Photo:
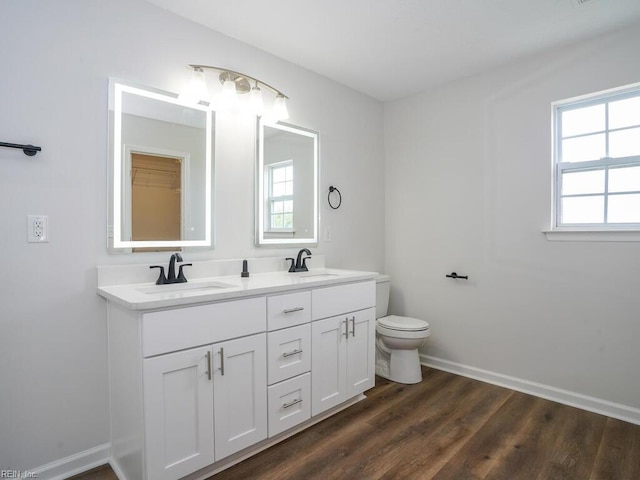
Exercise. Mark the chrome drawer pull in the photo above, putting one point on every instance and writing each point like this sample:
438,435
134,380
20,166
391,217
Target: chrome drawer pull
221,361
209,365
346,328
296,309
292,352
292,403
353,323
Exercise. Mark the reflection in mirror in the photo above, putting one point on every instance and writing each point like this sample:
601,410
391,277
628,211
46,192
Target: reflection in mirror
160,170
156,196
287,185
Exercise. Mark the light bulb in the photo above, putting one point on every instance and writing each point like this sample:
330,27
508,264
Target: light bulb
197,89
228,98
280,111
255,101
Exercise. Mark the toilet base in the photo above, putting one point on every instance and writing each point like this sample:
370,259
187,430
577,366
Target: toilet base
400,366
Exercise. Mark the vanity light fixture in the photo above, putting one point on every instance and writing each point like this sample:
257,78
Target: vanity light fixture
234,85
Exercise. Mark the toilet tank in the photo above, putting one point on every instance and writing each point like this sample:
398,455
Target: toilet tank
383,288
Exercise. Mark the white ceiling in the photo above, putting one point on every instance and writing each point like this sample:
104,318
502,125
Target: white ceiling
390,49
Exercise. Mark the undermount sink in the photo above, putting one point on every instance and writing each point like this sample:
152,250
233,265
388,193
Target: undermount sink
318,276
181,287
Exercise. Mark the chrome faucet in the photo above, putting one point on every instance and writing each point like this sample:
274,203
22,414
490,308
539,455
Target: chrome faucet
300,264
171,276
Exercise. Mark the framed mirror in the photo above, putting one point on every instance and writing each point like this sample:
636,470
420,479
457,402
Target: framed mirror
286,185
160,170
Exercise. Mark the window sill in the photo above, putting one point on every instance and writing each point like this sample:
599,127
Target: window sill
592,235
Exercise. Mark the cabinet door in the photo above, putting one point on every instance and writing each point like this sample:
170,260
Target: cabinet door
361,352
328,363
178,413
240,393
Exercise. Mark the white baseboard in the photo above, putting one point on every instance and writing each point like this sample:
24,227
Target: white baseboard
117,470
578,400
73,464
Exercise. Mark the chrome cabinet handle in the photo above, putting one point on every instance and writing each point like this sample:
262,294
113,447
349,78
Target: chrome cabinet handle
346,328
209,365
292,403
295,309
353,325
292,352
221,360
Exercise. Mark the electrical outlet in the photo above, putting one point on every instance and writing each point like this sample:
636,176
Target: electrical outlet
37,228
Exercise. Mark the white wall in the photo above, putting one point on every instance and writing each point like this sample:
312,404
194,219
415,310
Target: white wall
57,57
468,172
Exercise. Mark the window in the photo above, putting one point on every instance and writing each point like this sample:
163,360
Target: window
597,162
280,192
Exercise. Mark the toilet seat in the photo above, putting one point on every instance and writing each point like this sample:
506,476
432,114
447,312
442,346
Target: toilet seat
403,324
402,327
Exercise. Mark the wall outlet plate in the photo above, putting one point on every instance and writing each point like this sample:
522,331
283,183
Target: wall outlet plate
37,228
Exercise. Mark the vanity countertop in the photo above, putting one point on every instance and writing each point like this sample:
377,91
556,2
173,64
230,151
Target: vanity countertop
148,296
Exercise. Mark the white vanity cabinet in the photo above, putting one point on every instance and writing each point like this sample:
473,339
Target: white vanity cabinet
178,407
343,345
203,404
199,387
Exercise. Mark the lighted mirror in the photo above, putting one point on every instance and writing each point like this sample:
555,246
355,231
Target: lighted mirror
160,170
287,185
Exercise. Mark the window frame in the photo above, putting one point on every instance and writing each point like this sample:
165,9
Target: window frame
603,231
271,198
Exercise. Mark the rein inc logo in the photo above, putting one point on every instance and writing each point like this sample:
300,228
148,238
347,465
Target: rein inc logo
17,474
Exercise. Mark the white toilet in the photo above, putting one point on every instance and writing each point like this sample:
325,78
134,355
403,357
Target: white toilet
397,339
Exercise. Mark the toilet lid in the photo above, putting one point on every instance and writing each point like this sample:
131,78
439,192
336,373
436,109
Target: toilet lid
395,322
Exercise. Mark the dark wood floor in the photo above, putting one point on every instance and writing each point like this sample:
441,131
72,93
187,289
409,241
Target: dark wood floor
448,428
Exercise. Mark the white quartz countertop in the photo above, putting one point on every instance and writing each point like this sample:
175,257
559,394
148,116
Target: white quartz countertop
148,296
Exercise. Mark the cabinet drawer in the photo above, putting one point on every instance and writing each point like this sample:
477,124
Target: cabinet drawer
288,353
288,310
331,301
289,403
180,328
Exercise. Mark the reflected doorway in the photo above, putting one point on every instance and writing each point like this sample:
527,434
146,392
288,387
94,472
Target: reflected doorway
155,187
156,203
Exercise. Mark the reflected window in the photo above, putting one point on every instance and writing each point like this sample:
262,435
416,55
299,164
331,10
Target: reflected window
280,191
597,153
286,185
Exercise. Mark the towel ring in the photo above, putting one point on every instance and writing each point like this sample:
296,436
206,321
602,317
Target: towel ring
331,190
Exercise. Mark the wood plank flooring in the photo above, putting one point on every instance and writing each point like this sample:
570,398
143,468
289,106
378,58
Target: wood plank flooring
448,428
